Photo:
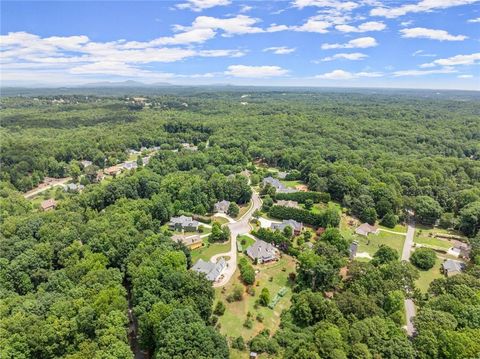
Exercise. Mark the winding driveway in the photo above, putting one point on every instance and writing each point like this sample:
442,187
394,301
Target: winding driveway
242,226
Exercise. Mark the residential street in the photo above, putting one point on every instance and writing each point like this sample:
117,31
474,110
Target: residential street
242,226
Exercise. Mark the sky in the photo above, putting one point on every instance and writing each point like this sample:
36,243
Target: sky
327,43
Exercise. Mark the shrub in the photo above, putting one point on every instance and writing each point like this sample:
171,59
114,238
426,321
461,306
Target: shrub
247,273
238,343
219,308
248,323
264,298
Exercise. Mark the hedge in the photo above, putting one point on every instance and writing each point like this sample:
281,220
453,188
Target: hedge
326,218
301,197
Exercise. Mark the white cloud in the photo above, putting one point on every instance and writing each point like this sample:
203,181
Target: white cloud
465,76
337,4
345,75
365,27
422,6
406,23
187,37
422,53
446,70
222,53
474,20
240,24
361,42
245,8
255,71
457,60
279,50
199,5
354,56
313,25
421,32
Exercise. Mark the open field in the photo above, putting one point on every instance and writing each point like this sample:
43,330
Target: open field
291,184
236,312
398,228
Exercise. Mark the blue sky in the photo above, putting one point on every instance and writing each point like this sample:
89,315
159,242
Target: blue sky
359,43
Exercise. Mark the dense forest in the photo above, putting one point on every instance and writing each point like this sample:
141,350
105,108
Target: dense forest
70,277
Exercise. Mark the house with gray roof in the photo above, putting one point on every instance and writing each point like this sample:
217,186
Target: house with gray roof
183,223
262,252
212,271
452,267
129,165
365,229
279,186
296,226
222,206
73,187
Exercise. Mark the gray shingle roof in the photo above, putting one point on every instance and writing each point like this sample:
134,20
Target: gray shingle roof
262,251
211,270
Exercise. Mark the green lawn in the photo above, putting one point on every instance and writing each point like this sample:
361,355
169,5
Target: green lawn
243,209
236,312
426,277
433,242
220,220
248,241
209,249
291,184
398,228
371,243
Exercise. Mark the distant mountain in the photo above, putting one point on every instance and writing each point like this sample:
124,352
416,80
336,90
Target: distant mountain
127,83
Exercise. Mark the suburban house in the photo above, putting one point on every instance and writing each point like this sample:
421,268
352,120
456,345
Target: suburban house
222,206
365,229
192,242
460,251
296,226
262,252
113,171
279,186
129,165
85,163
73,187
352,251
183,223
48,204
291,204
212,271
189,147
452,267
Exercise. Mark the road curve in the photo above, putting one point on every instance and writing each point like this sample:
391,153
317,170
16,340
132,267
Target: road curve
242,226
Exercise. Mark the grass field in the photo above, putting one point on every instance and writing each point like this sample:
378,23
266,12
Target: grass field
248,241
220,220
398,228
236,312
433,242
291,184
426,277
371,243
209,250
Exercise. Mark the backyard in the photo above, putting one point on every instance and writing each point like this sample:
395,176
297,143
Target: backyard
209,249
426,277
231,323
371,243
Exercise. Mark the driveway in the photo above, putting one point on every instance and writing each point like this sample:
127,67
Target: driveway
409,305
42,187
242,226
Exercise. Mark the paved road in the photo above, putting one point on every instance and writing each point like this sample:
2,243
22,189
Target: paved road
45,186
409,305
242,226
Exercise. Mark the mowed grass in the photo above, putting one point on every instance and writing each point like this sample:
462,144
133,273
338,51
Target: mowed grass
243,209
209,249
433,242
398,228
231,323
291,184
427,277
248,241
371,243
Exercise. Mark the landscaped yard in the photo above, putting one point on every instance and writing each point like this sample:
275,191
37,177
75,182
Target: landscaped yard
236,312
291,184
248,241
209,249
371,243
432,242
426,277
398,228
